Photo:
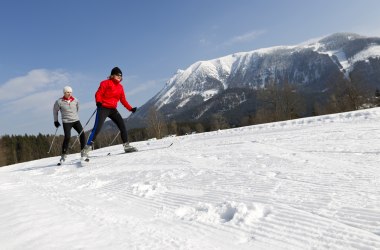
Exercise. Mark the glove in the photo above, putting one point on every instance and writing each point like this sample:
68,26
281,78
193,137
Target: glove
99,104
57,124
133,110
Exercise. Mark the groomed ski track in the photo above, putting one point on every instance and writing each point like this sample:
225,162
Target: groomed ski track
310,183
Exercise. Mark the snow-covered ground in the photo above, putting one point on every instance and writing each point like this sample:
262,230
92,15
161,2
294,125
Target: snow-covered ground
303,184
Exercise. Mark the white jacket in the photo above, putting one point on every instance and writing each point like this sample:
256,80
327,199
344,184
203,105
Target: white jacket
69,110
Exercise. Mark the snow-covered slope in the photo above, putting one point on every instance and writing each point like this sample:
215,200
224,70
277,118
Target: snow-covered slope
302,184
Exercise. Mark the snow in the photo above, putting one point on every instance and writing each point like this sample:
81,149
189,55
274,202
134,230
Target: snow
274,49
189,83
310,183
209,93
183,103
371,51
348,63
342,58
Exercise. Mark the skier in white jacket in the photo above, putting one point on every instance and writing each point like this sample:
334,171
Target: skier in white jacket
69,107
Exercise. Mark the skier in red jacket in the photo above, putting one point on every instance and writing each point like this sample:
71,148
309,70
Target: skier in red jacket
109,93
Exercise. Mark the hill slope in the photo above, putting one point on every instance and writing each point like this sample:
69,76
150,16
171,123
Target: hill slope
303,184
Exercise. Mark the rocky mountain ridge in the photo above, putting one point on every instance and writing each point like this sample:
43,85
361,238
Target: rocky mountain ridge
312,66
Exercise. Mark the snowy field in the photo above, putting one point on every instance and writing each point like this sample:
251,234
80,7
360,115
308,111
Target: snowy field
310,183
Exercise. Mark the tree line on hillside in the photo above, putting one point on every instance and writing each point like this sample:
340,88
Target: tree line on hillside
276,103
289,101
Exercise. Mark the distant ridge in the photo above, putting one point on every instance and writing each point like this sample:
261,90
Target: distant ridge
313,66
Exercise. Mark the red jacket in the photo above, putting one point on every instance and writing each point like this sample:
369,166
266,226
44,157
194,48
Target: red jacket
110,92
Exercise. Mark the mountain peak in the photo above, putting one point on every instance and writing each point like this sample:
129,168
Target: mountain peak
255,68
338,40
314,66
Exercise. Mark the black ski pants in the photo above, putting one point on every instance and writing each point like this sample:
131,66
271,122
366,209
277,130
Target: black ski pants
67,130
101,115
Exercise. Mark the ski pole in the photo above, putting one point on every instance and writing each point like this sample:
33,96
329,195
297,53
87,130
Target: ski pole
83,129
114,138
51,145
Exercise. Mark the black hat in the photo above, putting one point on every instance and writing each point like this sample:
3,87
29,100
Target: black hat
116,71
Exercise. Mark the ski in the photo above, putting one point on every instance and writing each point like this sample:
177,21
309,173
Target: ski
130,150
143,150
135,151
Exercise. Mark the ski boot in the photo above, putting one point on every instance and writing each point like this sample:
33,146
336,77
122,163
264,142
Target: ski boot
128,148
85,151
63,159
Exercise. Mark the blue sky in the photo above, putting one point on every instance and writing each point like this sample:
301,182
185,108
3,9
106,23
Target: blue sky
47,44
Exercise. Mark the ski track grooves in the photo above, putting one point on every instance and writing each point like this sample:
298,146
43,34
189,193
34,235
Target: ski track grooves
345,226
73,202
301,200
283,216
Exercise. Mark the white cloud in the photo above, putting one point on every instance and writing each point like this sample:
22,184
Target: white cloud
250,36
33,104
26,102
32,113
35,80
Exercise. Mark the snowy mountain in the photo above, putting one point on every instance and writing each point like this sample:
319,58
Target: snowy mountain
311,183
313,66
